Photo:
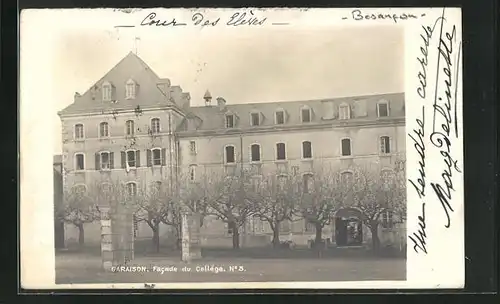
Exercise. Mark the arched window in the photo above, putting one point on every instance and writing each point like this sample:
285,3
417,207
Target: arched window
280,151
306,150
383,109
347,178
307,182
104,160
79,189
344,111
107,91
156,157
229,155
255,152
385,145
79,161
131,189
346,147
130,128
79,134
305,114
155,125
130,87
103,129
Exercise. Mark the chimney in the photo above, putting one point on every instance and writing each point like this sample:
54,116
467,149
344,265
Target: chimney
77,95
208,98
221,102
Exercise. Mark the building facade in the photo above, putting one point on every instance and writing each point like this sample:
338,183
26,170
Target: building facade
135,128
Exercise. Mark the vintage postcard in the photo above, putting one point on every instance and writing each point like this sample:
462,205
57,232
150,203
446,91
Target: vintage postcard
241,148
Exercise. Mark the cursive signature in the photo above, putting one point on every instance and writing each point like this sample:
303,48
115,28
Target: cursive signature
151,20
442,107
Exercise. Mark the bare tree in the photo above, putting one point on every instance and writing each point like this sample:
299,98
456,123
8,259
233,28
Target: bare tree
78,208
375,192
226,199
273,198
322,193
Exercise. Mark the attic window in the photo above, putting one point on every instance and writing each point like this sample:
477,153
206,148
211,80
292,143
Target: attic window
107,91
344,111
130,89
306,114
255,119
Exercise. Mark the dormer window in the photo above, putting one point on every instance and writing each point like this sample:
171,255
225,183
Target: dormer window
229,121
130,89
279,116
344,111
255,119
107,91
305,114
383,109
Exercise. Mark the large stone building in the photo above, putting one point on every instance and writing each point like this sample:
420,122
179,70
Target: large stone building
134,127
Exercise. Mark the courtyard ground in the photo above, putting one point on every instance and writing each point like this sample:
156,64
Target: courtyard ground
255,265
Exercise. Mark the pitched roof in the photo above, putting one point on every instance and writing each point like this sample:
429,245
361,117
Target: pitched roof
212,117
151,90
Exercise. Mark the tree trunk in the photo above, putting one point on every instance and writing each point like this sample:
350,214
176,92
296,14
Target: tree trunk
236,237
81,235
319,234
375,238
276,234
156,237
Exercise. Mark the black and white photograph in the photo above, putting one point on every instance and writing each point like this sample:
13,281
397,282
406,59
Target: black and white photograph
243,147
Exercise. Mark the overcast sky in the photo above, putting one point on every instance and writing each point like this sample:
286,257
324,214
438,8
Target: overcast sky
247,65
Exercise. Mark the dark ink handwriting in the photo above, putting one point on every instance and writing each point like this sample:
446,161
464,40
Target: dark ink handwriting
153,21
358,15
238,19
420,148
198,19
419,239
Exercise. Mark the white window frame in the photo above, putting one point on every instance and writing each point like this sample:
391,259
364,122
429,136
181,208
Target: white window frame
127,188
225,155
107,129
260,154
348,113
381,149
302,150
153,159
276,151
276,116
76,161
350,147
103,187
342,174
388,221
135,158
83,131
107,91
193,150
130,89
378,108
251,118
101,162
151,125
225,121
302,108
127,128
311,176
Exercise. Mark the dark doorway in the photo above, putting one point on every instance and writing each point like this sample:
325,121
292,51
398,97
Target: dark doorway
348,231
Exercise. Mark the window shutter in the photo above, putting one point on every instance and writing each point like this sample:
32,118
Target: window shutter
163,156
124,159
148,156
111,160
137,158
97,161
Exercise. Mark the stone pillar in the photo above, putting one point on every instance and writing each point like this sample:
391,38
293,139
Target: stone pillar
106,239
191,245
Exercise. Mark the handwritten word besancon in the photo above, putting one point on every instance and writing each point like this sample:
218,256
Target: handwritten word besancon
358,15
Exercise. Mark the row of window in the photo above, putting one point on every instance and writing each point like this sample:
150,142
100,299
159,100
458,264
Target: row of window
255,150
79,132
305,115
104,160
108,90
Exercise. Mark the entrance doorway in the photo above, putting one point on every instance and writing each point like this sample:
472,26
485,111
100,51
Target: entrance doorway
348,228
